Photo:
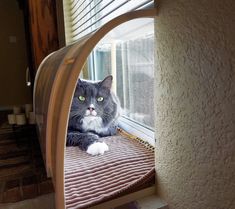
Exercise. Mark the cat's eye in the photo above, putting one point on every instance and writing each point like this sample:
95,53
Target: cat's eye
100,99
81,98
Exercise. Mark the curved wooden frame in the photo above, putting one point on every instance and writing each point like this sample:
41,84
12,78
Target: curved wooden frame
53,96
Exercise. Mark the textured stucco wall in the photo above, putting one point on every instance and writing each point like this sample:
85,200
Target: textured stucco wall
195,103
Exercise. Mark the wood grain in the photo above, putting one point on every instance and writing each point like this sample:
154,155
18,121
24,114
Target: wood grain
43,28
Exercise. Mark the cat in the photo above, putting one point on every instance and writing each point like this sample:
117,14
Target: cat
94,114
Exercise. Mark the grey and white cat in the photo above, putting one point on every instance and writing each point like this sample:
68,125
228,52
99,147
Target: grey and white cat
94,113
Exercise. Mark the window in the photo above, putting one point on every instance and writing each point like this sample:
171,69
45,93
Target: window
83,17
127,52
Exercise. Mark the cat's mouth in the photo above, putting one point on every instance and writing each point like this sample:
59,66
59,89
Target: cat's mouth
90,116
89,113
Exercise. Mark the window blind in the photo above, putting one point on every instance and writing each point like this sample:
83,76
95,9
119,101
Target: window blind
85,16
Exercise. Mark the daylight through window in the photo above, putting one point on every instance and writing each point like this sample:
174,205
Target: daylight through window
127,53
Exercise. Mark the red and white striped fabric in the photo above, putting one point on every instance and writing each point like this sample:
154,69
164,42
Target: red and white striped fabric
128,166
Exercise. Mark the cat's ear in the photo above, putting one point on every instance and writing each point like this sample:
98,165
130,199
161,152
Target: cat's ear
107,82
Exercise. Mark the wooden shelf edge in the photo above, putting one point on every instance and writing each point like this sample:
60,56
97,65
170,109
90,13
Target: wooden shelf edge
145,198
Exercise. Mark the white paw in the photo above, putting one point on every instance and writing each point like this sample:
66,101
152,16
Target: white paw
98,148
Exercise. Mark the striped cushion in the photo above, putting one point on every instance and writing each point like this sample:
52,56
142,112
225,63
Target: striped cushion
127,166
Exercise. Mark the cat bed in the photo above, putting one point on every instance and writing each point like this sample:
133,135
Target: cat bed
54,86
128,166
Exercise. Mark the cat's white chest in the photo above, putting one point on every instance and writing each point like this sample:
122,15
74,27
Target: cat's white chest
92,123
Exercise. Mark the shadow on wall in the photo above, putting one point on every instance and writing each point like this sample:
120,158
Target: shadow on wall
13,62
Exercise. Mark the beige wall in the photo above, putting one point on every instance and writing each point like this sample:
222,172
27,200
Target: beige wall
195,103
13,60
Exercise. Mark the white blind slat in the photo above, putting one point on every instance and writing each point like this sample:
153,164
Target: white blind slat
83,17
77,21
98,20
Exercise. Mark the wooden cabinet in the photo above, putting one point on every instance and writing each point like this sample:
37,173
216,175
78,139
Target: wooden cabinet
41,30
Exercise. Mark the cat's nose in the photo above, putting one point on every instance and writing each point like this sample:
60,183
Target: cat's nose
91,108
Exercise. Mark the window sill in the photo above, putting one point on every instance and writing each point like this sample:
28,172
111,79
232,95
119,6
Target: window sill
136,130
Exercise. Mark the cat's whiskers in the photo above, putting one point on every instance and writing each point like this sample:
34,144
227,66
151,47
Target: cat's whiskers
74,114
107,115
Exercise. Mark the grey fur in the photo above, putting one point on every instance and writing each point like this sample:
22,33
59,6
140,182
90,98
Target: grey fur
108,110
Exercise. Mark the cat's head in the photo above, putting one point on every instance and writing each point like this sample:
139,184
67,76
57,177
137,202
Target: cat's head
95,99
